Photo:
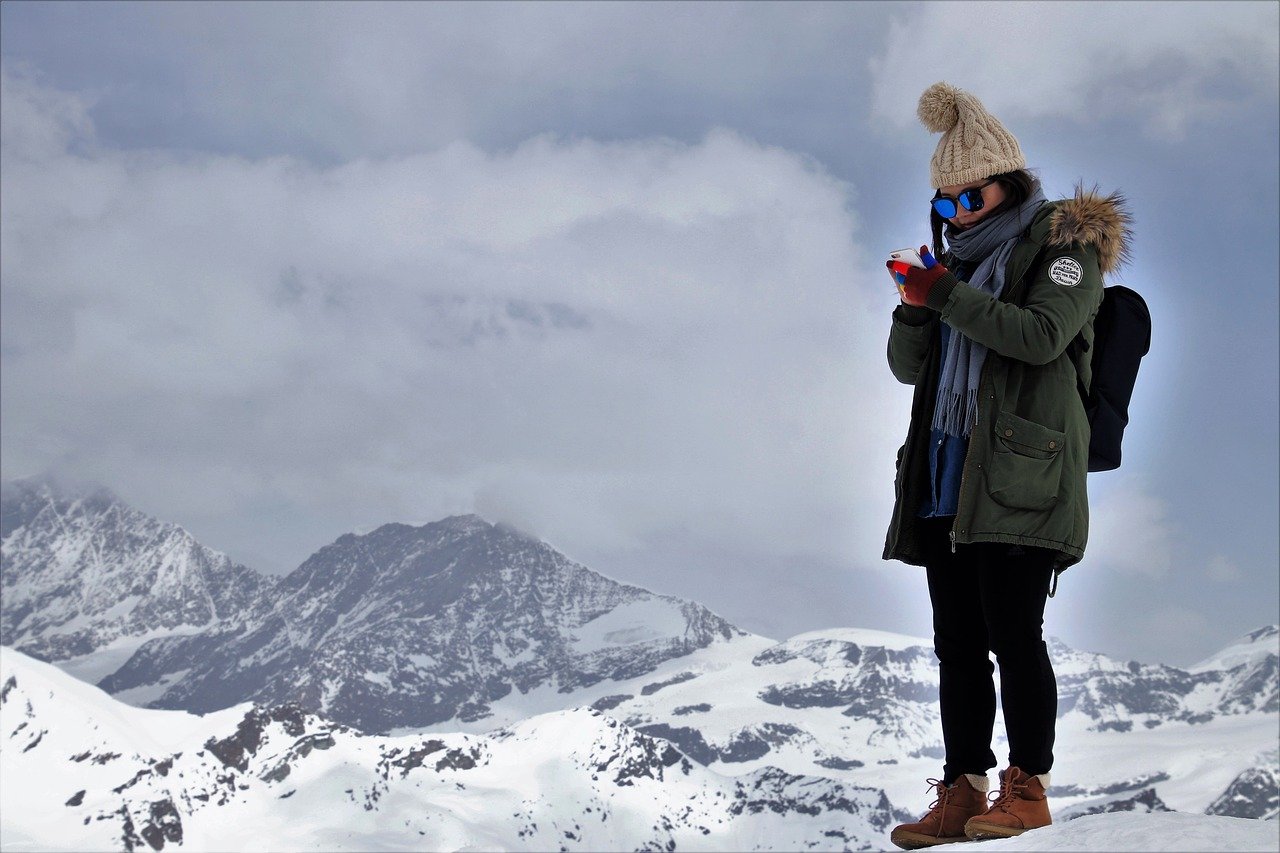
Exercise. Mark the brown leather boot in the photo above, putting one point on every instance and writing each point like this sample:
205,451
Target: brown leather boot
947,815
1022,805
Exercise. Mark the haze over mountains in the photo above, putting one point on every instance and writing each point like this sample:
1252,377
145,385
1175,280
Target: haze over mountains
103,776
462,627
403,626
84,572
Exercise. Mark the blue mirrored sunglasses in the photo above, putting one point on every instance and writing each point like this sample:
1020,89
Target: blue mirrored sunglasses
970,200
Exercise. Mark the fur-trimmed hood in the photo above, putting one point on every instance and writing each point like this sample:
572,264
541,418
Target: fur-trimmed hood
1101,221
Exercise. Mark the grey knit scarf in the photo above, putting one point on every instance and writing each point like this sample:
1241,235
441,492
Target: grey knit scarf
989,245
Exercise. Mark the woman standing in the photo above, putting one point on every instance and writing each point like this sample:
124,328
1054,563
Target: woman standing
990,490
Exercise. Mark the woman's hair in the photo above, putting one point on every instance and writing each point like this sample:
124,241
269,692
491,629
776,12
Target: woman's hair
1018,187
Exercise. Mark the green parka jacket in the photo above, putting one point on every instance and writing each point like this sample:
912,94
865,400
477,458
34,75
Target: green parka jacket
1023,479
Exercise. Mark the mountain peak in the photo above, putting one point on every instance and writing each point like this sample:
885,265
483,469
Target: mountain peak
1267,632
1255,645
470,522
369,630
57,487
85,571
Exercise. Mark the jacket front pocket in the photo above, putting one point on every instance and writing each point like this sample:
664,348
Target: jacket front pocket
1025,470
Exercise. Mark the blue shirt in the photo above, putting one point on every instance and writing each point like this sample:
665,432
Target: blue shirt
946,463
946,452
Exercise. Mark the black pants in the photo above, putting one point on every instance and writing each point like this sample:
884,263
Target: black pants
990,597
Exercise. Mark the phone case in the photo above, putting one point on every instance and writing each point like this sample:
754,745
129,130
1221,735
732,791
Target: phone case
911,257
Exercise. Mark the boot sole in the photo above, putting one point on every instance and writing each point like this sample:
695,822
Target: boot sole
979,831
915,840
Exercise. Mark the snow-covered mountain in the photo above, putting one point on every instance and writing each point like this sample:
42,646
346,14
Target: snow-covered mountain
462,626
406,627
409,626
861,706
97,774
403,626
83,771
86,579
1119,695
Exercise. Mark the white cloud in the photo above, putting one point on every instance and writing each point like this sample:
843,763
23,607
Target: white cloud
1129,529
1168,64
39,118
1170,633
597,341
346,79
1223,569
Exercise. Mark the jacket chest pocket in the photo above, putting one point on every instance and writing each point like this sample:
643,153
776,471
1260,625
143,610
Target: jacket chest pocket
1025,470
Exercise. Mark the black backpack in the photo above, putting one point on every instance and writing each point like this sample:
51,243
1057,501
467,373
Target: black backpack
1121,337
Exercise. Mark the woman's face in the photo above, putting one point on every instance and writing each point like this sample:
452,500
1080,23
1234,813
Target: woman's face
993,196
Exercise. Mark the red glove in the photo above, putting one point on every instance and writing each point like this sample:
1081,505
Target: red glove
915,283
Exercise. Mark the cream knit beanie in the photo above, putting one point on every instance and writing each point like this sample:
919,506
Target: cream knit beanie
974,144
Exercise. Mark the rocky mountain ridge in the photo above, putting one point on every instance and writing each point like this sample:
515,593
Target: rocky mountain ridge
462,625
402,626
82,572
102,775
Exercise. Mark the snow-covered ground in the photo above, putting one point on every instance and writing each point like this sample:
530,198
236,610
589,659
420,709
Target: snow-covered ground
82,771
1159,832
713,703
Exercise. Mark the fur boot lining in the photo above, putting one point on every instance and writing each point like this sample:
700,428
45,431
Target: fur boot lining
979,783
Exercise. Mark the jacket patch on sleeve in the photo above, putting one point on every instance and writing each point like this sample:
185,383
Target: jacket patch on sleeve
1066,271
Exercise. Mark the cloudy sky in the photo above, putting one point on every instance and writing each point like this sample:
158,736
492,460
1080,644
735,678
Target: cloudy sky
611,273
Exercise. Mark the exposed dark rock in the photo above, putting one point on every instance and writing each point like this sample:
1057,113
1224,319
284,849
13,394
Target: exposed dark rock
688,740
1145,800
648,757
929,752
414,757
234,750
750,744
1255,793
608,703
277,773
164,824
34,741
459,759
783,793
413,626
820,694
127,551
650,689
744,746
1114,725
1143,781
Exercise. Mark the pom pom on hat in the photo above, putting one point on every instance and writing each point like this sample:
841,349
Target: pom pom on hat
938,109
974,144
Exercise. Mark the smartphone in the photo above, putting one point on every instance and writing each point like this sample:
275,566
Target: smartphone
910,257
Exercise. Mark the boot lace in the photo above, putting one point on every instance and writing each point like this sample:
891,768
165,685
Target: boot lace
941,802
1009,791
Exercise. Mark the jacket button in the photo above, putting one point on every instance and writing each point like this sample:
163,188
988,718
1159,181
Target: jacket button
1008,433
1052,445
